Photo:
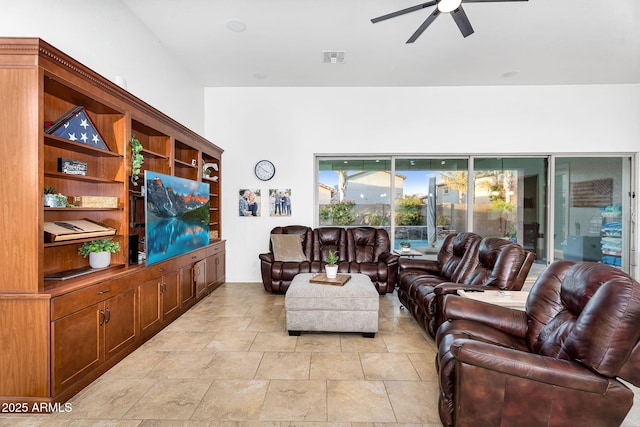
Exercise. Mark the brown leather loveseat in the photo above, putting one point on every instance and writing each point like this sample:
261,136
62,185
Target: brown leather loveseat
465,261
556,364
365,250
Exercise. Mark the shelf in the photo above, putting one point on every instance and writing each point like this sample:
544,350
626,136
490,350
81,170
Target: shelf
82,178
80,208
146,152
65,144
184,164
77,241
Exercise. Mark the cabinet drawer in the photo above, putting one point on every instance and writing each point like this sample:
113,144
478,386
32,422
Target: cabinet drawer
215,248
74,301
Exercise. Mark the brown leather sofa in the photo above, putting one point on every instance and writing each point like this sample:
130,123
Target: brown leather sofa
365,250
556,364
465,261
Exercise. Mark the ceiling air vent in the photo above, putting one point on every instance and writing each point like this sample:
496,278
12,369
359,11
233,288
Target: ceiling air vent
332,57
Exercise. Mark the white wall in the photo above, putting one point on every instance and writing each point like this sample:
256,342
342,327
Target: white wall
108,38
289,125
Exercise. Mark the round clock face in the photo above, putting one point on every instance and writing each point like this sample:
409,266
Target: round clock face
265,170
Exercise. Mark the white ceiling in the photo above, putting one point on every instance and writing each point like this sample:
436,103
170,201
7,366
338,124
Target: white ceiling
515,43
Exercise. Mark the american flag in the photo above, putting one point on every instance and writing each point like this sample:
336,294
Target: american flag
76,126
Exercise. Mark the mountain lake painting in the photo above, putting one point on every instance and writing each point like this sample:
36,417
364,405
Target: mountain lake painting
176,215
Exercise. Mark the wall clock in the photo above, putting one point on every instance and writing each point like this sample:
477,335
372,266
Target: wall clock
265,170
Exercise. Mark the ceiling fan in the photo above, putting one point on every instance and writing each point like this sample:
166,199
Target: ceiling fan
454,7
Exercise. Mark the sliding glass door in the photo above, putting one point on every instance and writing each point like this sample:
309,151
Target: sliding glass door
592,209
509,200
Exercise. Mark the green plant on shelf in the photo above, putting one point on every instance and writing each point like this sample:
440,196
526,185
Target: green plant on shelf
94,246
137,159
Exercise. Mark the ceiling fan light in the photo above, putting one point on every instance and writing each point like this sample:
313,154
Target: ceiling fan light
446,6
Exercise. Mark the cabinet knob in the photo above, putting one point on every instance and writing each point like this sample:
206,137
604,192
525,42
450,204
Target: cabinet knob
105,291
108,315
101,322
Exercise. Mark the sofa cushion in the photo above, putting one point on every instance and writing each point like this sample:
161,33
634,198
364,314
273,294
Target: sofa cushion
287,247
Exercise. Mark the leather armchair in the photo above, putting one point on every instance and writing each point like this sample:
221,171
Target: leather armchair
277,275
456,258
501,265
556,364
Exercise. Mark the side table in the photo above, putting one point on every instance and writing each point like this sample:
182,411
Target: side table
510,299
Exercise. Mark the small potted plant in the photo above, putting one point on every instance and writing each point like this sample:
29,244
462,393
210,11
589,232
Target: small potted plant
405,246
332,265
50,197
99,252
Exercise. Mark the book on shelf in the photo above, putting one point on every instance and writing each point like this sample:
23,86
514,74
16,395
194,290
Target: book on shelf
59,231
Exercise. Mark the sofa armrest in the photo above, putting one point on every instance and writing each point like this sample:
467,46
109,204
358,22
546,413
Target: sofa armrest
507,320
530,366
268,257
426,265
388,258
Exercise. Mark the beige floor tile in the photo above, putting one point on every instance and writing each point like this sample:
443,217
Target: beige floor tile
414,401
359,344
138,364
229,324
388,366
320,342
179,341
273,341
284,366
173,423
267,324
358,401
231,341
424,364
295,400
407,343
170,400
108,398
233,365
336,366
239,400
182,364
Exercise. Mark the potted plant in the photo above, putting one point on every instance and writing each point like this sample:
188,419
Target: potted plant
137,159
50,197
99,252
405,246
332,265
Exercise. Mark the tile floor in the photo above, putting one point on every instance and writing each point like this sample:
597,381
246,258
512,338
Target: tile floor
229,362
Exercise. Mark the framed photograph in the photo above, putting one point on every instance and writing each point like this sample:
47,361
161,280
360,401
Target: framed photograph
249,202
280,202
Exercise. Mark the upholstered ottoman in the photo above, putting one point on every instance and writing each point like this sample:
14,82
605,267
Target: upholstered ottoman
327,308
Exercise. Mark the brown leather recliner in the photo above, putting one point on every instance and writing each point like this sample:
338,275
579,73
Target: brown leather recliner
500,265
363,250
556,364
457,252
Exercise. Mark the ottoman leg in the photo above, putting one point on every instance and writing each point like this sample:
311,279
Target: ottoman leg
294,333
369,334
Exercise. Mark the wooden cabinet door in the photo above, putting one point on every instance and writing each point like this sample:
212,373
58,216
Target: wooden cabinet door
170,294
199,269
76,345
187,286
120,322
221,273
149,305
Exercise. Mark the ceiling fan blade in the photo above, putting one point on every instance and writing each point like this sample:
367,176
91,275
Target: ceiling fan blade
488,1
424,26
462,21
404,11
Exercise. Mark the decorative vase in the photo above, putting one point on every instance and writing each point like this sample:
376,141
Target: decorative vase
331,270
99,259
